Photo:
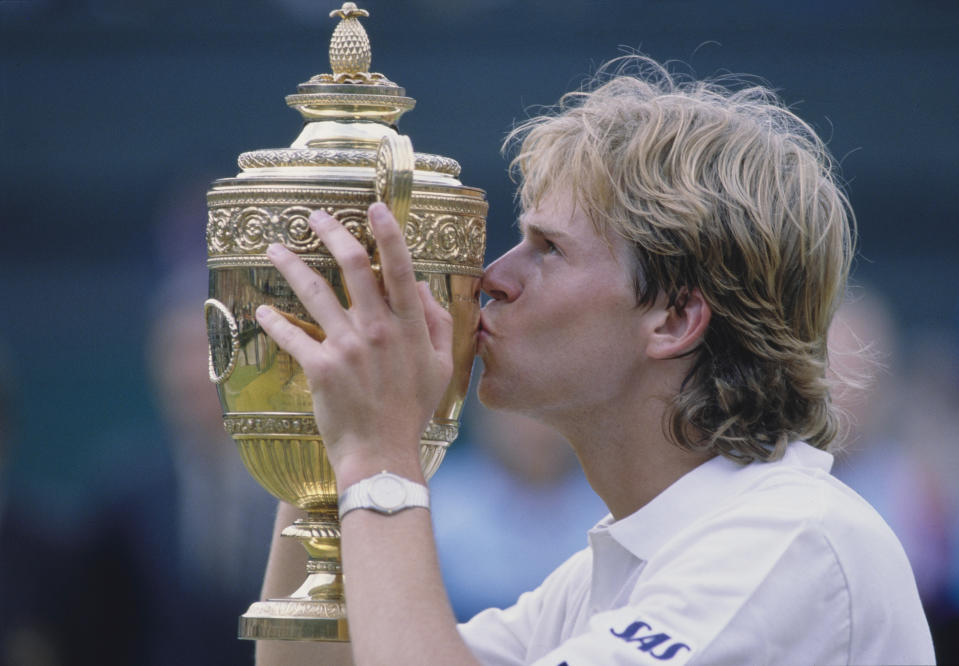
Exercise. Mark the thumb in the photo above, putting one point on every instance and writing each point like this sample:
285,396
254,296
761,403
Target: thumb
438,321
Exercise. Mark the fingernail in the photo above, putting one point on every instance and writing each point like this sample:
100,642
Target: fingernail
275,249
318,216
264,312
378,211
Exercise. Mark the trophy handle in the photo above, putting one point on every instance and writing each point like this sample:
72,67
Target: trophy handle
224,336
395,162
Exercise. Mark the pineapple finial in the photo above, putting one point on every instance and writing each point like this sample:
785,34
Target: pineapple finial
349,47
350,51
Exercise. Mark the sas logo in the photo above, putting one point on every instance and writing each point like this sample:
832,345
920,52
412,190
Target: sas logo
658,645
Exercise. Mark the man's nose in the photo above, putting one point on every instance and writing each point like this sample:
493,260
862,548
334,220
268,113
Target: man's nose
500,280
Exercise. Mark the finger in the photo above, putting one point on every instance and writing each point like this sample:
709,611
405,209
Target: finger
353,260
312,289
290,337
398,276
438,320
311,330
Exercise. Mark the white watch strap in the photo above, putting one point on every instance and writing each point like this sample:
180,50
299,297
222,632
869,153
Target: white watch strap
384,493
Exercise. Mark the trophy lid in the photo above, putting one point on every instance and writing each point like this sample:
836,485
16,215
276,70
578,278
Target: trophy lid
351,91
348,112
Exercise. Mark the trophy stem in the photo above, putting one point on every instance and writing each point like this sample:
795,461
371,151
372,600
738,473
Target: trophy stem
317,609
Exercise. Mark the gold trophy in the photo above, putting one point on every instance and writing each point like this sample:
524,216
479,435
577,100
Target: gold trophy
347,156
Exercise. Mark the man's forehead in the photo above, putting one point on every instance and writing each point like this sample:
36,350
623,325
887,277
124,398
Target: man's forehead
555,221
541,221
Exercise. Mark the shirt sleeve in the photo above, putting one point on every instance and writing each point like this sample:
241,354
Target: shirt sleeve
501,637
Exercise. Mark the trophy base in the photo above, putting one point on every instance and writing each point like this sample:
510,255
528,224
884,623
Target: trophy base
294,620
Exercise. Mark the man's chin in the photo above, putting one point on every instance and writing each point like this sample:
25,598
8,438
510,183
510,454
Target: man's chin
486,392
482,389
498,395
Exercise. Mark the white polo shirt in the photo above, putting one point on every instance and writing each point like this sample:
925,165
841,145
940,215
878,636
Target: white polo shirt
768,563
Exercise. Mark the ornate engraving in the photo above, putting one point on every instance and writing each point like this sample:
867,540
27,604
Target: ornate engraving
430,237
476,239
308,529
287,196
319,566
253,229
381,177
438,163
260,261
447,238
413,233
219,231
321,262
295,230
304,157
362,78
311,157
296,608
398,102
359,197
242,426
259,425
441,432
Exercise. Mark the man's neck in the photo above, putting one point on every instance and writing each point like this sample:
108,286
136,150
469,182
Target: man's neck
626,454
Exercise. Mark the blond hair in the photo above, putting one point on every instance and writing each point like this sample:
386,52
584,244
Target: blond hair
726,191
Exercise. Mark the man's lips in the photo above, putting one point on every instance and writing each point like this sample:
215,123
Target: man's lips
483,332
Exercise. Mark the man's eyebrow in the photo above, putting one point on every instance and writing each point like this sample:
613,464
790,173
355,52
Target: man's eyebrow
533,229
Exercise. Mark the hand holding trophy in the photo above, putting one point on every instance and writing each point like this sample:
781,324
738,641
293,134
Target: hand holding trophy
385,362
347,156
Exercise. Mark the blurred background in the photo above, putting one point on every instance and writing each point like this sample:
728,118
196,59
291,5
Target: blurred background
121,501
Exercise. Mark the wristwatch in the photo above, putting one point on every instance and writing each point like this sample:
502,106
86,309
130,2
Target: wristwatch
384,493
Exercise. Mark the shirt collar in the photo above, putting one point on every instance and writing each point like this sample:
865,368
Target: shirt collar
695,493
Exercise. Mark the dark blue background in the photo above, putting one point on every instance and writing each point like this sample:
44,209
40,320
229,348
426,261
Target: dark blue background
112,111
108,107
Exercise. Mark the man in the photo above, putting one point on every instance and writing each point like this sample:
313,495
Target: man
683,250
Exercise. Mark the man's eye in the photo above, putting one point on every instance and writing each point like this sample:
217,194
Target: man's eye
550,246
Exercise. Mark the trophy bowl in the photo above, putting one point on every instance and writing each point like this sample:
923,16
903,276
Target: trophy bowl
347,156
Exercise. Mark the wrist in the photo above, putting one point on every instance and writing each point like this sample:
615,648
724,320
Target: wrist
384,493
355,467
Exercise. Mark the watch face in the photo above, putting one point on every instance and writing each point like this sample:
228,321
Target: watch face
387,493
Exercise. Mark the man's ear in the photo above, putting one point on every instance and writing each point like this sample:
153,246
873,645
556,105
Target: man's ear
680,327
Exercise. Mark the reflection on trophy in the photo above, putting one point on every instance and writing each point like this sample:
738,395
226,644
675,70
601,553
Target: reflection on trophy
347,156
